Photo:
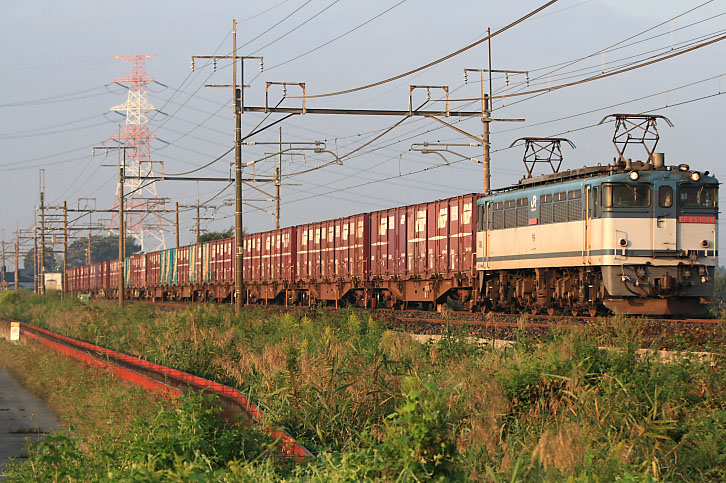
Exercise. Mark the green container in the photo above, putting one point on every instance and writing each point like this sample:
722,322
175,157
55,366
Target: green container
193,264
127,272
169,275
206,263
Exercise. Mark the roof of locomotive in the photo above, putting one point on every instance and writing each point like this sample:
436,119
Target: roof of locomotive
581,174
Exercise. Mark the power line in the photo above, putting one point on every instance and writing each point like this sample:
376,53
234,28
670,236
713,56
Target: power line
297,27
275,25
438,61
338,37
616,72
606,49
71,96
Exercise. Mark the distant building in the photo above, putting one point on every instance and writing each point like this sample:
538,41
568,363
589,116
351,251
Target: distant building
53,281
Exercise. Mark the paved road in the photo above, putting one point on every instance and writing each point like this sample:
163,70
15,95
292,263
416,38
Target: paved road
22,417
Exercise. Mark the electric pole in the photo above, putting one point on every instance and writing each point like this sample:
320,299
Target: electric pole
35,258
199,218
17,256
65,247
3,282
121,221
177,224
278,182
121,231
487,108
42,231
238,99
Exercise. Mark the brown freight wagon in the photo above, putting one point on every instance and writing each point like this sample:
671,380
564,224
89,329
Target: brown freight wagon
333,260
153,273
182,267
138,273
72,279
221,261
424,252
113,278
276,262
85,278
308,253
98,277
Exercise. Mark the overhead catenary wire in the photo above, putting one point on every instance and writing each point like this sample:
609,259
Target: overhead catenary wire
411,173
71,96
606,49
610,74
437,61
277,39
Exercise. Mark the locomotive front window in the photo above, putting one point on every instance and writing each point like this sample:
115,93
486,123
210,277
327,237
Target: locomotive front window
626,196
698,197
665,196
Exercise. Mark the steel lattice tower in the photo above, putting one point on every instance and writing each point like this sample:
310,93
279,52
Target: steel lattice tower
149,225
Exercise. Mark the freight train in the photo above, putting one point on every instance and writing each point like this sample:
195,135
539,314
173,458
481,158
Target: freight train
629,237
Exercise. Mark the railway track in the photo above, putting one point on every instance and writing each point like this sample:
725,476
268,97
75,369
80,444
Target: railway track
660,332
663,333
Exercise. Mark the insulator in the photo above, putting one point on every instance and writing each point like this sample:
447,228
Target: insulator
527,76
466,77
215,65
192,65
262,65
506,77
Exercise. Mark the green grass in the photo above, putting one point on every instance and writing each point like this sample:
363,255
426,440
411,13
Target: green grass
376,405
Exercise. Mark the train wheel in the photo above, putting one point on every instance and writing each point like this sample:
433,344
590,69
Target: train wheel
593,312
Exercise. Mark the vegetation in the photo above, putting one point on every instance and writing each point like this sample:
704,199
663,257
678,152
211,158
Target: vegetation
118,432
719,294
215,235
103,248
377,405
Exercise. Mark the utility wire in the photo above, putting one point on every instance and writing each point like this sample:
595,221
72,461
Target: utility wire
295,28
438,61
610,74
599,52
262,12
275,25
71,96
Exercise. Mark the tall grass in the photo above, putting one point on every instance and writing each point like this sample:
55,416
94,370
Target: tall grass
377,405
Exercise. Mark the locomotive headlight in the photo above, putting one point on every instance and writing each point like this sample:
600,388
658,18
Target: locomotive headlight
634,175
695,176
623,242
704,243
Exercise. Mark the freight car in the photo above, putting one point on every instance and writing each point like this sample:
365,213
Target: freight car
632,237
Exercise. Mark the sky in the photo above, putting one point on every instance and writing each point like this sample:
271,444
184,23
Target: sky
58,71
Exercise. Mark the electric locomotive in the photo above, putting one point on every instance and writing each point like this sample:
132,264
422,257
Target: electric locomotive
635,237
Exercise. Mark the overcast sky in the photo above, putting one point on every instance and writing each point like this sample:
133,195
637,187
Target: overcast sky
58,69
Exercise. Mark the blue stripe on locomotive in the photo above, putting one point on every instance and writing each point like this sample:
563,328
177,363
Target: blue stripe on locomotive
534,193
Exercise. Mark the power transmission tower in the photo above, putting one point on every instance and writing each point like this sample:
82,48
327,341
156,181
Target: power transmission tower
137,135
